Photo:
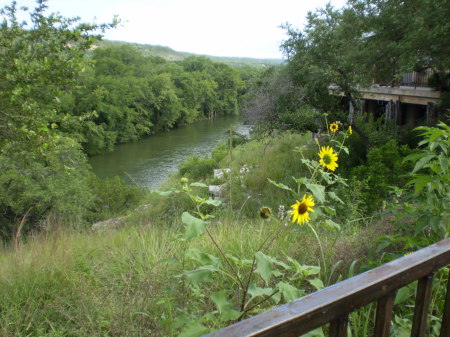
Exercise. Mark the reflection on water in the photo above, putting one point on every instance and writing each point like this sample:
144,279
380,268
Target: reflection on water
149,161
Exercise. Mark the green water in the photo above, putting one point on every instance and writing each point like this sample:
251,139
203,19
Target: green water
149,161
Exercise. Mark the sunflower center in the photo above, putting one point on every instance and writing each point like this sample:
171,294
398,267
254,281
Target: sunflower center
327,159
302,208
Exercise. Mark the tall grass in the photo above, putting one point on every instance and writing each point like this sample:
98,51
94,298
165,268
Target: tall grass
126,282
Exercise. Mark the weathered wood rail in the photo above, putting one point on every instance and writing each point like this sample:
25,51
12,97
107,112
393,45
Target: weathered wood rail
334,304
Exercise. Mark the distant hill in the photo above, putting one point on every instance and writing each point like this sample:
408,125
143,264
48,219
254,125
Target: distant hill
173,55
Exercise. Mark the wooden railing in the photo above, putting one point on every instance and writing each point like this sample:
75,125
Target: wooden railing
334,304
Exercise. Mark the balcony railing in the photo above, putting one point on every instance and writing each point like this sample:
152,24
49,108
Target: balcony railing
417,79
334,304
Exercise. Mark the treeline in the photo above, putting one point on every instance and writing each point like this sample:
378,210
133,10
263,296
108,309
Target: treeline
126,96
61,99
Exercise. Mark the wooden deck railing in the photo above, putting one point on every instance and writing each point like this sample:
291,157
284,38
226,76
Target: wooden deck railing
334,304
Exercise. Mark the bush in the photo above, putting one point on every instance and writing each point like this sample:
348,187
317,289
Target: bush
384,168
197,168
112,198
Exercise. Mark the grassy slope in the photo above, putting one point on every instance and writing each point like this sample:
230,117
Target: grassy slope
124,282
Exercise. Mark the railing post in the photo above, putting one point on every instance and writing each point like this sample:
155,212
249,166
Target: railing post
384,315
445,326
423,298
338,327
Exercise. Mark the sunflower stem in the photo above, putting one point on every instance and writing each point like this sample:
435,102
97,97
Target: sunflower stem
225,258
325,269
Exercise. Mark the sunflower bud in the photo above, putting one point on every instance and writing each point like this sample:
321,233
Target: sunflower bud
265,212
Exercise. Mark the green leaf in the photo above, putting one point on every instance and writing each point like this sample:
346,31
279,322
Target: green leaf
213,202
299,181
403,294
263,266
279,185
203,258
422,162
310,270
334,197
318,191
419,182
194,226
256,291
289,292
226,309
327,177
199,275
329,210
443,161
331,225
316,283
194,330
315,333
197,184
166,193
421,223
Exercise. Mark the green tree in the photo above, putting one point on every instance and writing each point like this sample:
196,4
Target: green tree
41,169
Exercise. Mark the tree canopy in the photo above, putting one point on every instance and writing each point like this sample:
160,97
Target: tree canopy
367,41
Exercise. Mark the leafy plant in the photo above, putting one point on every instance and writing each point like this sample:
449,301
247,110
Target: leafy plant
234,286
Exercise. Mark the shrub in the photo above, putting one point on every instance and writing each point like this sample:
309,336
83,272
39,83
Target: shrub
197,168
384,168
112,198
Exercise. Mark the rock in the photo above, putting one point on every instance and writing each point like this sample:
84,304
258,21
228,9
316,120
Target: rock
108,224
215,190
219,173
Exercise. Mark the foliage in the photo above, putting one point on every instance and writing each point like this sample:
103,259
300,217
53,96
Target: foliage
275,103
431,183
111,198
327,52
196,167
383,169
376,40
128,96
41,169
247,283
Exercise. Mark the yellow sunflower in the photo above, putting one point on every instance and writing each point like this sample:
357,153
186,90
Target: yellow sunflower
328,158
334,127
350,130
300,209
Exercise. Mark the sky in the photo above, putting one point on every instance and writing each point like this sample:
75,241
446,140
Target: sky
243,28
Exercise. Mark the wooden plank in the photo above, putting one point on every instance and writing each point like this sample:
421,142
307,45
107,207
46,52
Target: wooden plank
338,327
445,325
384,315
324,306
423,299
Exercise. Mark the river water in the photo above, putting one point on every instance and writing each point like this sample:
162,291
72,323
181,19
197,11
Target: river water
149,161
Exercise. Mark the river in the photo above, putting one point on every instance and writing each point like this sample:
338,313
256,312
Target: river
149,161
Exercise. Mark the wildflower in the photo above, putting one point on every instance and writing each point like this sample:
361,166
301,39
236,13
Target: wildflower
328,158
281,213
265,212
350,130
300,210
184,180
334,127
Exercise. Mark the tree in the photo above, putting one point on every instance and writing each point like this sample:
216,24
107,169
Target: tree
41,169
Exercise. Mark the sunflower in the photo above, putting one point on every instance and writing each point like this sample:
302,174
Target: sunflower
350,130
334,127
328,158
301,208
